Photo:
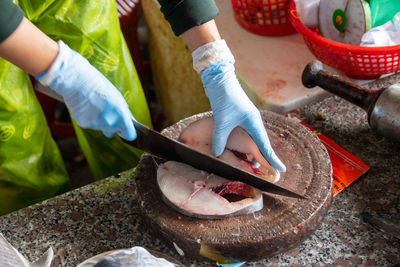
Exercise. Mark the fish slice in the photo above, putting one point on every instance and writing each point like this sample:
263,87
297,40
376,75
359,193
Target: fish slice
159,145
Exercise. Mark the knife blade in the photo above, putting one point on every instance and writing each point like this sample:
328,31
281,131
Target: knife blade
162,146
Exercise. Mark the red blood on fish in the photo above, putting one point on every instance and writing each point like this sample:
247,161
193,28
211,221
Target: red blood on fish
233,191
237,188
243,156
239,155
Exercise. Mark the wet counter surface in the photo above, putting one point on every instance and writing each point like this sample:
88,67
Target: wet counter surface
104,215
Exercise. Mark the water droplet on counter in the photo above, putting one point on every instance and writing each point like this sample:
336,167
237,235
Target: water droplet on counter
297,166
257,216
235,232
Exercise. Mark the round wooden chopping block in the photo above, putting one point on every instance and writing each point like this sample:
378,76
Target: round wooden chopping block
282,224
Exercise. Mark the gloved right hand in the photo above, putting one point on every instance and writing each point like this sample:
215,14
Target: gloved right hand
230,105
93,101
231,108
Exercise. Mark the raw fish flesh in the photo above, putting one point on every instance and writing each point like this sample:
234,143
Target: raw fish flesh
200,194
240,150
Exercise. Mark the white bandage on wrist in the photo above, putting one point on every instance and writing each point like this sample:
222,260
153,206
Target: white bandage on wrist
211,53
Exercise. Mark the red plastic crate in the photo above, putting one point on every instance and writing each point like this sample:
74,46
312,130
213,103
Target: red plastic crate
263,17
355,61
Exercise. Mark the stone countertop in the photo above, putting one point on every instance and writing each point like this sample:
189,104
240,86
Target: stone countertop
103,216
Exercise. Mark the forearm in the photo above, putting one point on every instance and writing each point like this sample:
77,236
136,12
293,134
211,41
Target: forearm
200,35
183,15
29,48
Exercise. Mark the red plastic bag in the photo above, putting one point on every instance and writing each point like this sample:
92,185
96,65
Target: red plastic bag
346,167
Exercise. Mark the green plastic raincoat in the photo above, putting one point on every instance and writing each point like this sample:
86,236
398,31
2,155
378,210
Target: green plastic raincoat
31,167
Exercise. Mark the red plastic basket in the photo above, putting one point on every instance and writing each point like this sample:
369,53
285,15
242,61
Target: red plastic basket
263,17
356,62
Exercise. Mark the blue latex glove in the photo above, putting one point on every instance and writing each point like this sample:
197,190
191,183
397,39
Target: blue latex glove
93,101
231,107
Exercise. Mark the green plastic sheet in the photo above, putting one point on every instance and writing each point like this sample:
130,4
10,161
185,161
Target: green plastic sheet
383,11
91,27
31,167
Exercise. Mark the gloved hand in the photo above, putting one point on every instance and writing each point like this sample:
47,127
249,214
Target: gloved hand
93,101
230,105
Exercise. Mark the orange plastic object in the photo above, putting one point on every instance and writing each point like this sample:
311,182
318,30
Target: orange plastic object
356,62
263,17
346,167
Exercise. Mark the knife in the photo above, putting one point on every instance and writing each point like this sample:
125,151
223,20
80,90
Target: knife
162,146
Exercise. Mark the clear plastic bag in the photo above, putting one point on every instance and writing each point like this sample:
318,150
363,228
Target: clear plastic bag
133,257
387,34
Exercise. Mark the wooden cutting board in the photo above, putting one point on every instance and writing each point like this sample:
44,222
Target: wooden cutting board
269,68
282,224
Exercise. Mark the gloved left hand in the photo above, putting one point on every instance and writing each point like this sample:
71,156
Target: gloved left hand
230,105
93,101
